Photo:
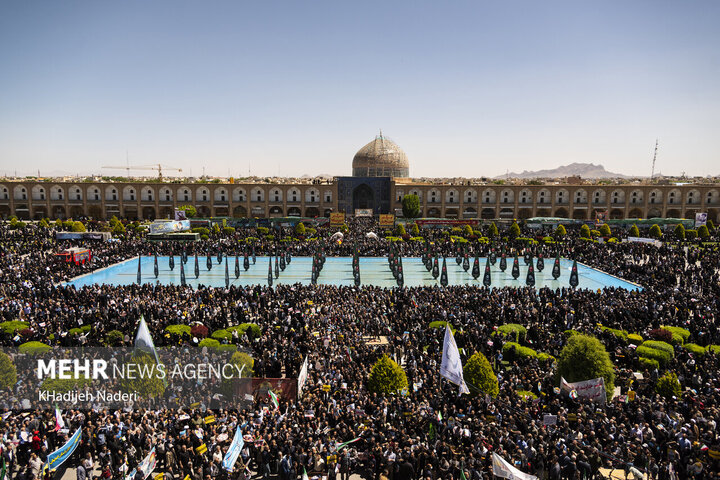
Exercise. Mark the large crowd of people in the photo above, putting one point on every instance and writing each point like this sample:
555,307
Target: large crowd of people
425,432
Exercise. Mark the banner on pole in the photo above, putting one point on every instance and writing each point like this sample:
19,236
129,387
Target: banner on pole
593,390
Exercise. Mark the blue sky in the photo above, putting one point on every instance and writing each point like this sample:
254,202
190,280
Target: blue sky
297,87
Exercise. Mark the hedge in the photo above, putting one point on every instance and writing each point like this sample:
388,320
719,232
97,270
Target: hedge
542,356
682,332
13,326
34,348
441,324
618,333
714,348
515,329
661,356
694,348
658,345
635,338
178,329
227,348
649,363
254,332
221,335
514,350
209,342
525,394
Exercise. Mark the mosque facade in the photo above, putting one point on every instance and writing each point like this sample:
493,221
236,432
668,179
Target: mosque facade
380,179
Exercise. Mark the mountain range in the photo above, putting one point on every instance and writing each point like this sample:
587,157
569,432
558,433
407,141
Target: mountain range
584,170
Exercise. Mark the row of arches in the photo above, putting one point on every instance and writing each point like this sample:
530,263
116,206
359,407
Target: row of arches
489,213
560,197
131,193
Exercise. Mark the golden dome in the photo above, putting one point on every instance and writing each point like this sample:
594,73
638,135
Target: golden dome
381,158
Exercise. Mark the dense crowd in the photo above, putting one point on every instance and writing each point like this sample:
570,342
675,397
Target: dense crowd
426,432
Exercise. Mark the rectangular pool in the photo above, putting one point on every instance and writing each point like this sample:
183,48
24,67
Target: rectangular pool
338,271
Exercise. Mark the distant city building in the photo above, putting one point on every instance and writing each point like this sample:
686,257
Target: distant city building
378,185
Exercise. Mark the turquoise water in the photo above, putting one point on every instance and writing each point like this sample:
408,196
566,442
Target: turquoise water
338,271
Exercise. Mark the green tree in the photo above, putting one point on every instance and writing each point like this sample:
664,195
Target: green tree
560,231
114,338
118,229
492,230
634,231
655,231
710,225
8,372
43,223
149,384
605,230
691,234
411,206
387,377
300,229
479,373
467,230
585,231
680,232
669,386
414,230
243,369
34,348
584,358
703,232
514,231
78,227
400,230
190,211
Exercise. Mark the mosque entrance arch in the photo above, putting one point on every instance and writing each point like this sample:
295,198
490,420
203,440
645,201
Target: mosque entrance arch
363,197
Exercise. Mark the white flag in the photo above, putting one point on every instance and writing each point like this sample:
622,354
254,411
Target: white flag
503,469
143,339
451,367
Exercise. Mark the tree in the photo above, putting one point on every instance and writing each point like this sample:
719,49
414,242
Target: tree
703,232
190,211
8,372
467,230
585,231
479,373
655,231
114,338
514,231
243,369
669,386
300,229
149,384
605,230
43,223
680,232
585,358
400,230
710,225
415,230
387,377
560,231
492,230
118,229
78,227
411,206
634,231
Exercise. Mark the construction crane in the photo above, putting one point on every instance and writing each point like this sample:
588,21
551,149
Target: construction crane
157,167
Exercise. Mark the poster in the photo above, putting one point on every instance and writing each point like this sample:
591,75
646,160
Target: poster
337,218
387,220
